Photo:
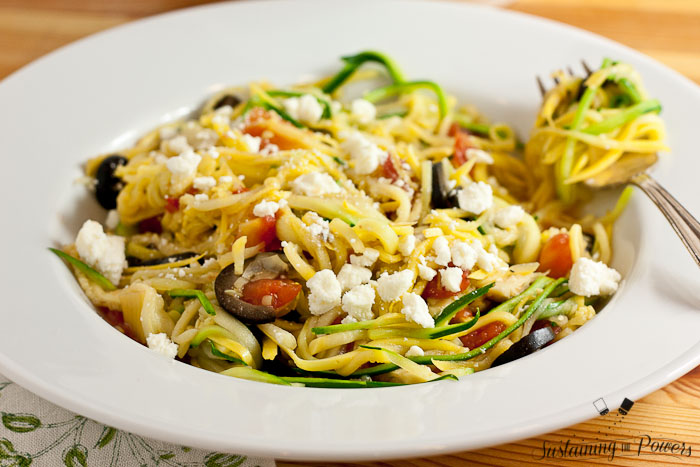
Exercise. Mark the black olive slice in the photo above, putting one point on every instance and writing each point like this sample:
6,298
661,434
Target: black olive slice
228,99
246,312
108,185
133,261
525,346
439,197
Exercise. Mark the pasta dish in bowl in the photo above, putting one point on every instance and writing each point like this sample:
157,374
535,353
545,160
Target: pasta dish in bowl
305,236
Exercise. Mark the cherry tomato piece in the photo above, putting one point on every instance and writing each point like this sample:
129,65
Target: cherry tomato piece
260,230
555,256
435,289
482,335
276,293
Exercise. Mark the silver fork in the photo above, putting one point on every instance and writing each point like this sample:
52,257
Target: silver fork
685,225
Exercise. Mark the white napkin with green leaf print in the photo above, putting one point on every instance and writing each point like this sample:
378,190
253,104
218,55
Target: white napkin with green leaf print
37,433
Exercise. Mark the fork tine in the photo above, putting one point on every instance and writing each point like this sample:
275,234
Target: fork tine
586,67
540,85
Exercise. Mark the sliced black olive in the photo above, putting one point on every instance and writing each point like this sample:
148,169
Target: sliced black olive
133,261
439,197
228,99
108,185
525,346
246,312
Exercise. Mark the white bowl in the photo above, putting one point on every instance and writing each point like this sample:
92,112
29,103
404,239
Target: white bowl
100,93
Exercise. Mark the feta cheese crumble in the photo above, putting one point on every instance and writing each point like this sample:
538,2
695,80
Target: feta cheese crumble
407,244
204,183
319,227
508,216
451,279
367,259
305,108
426,273
101,251
358,301
324,291
391,286
463,255
365,155
176,145
351,276
441,248
315,184
363,110
475,197
480,155
590,278
414,351
252,142
161,343
199,197
112,220
183,168
266,208
415,309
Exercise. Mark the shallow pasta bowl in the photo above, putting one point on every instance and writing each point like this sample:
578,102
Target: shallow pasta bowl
99,94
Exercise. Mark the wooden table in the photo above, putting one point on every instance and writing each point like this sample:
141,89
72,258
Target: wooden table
668,30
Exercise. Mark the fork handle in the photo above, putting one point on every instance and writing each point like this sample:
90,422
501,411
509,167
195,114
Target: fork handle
685,225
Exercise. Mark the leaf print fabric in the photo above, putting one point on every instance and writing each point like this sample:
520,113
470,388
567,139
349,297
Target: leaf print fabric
34,432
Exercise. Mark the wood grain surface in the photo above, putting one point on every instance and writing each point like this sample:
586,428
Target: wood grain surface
668,30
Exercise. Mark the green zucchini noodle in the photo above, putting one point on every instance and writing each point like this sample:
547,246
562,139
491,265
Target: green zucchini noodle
302,235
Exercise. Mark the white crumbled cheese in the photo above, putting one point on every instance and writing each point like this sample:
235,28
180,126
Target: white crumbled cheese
365,154
324,291
508,216
463,255
269,150
358,301
204,183
225,110
181,272
407,244
590,278
201,197
488,261
161,343
212,152
319,226
252,142
415,309
363,110
306,108
112,220
167,132
226,179
314,184
176,145
480,155
101,251
367,259
266,208
441,249
414,351
183,167
475,197
351,276
391,286
451,279
426,273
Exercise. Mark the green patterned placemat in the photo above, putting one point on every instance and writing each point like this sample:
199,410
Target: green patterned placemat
38,433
